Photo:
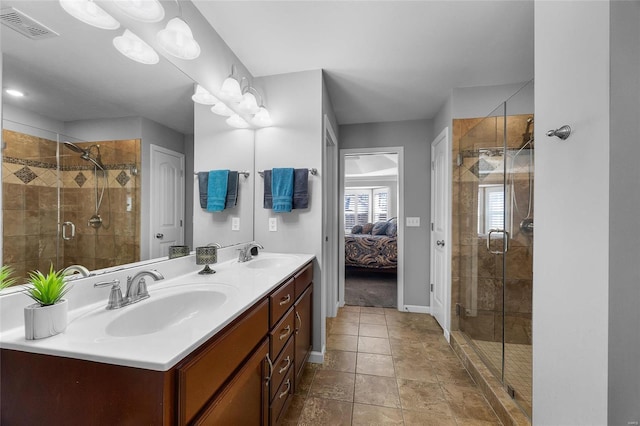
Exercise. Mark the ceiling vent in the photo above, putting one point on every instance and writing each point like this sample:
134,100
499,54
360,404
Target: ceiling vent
24,24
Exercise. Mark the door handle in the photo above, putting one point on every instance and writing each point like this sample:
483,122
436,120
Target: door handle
159,236
506,241
64,231
440,243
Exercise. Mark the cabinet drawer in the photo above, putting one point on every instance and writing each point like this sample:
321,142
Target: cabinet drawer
281,367
281,399
303,279
281,300
280,334
201,377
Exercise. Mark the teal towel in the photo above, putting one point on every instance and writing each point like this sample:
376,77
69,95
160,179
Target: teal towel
217,190
282,189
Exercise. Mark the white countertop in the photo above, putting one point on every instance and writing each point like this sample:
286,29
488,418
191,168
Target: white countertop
90,332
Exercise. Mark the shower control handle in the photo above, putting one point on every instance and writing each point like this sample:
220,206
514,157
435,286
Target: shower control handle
159,236
440,243
64,231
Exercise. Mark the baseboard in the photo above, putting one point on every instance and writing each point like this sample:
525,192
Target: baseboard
417,309
317,357
447,335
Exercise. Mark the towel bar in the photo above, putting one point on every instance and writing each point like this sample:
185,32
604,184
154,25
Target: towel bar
313,171
245,174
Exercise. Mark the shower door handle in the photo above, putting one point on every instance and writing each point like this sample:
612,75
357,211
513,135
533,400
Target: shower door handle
506,241
70,225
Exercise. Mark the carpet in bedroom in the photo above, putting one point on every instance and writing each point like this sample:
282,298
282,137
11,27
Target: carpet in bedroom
370,288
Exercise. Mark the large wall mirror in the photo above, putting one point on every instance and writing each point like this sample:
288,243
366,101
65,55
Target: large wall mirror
76,171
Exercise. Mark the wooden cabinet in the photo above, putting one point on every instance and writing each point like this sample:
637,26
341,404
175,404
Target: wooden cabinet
229,379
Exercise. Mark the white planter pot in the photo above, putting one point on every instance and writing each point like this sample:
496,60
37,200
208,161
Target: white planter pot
45,321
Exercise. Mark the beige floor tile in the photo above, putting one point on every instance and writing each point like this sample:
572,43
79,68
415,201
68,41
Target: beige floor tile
457,376
339,361
372,310
414,369
342,342
333,385
374,345
402,332
375,364
293,412
307,378
418,418
423,396
351,308
344,327
373,330
372,319
350,316
377,390
371,415
407,348
320,412
467,402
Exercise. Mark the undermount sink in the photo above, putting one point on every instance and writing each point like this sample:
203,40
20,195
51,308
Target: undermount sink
161,312
270,262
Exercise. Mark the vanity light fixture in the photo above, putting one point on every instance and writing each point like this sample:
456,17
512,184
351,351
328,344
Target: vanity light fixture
202,96
133,47
248,104
262,118
142,10
14,92
222,109
90,13
177,40
236,121
231,91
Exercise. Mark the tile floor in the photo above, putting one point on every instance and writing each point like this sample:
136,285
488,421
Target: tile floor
384,367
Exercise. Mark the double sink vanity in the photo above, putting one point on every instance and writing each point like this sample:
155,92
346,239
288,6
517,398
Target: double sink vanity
226,348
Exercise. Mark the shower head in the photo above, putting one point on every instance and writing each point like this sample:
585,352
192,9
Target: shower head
73,147
85,154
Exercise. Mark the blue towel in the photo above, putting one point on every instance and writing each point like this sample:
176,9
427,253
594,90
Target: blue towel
217,190
203,187
267,201
282,189
301,188
232,191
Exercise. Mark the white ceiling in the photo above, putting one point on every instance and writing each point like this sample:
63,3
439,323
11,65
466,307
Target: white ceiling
384,60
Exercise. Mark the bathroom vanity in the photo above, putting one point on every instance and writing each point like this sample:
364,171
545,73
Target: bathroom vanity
243,370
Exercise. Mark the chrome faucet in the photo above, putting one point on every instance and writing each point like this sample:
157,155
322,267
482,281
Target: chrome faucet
245,252
137,286
81,270
136,289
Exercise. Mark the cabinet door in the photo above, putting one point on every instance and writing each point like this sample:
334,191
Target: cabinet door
245,400
303,313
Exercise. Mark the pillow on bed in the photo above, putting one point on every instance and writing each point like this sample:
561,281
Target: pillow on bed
392,229
366,228
357,229
379,228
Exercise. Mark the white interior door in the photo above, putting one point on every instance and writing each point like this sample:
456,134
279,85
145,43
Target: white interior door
441,231
167,200
330,219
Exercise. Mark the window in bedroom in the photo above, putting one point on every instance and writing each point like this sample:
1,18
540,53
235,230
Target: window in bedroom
363,205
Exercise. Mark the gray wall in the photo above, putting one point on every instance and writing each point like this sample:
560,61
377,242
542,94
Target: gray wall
415,136
188,190
624,205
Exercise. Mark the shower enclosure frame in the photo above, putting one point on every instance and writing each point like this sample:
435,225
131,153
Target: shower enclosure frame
493,240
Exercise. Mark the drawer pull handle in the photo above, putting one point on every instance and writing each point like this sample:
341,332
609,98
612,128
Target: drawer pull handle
283,369
299,321
287,331
286,392
285,300
268,378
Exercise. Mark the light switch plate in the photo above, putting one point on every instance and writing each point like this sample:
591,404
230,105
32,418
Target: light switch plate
273,224
413,221
235,223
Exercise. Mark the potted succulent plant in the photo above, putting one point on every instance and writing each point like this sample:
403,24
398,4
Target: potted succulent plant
48,316
5,273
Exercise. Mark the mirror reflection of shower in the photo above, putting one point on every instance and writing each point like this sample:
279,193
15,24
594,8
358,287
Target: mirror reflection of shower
95,221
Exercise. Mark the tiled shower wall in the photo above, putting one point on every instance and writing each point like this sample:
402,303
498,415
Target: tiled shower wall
476,273
31,178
